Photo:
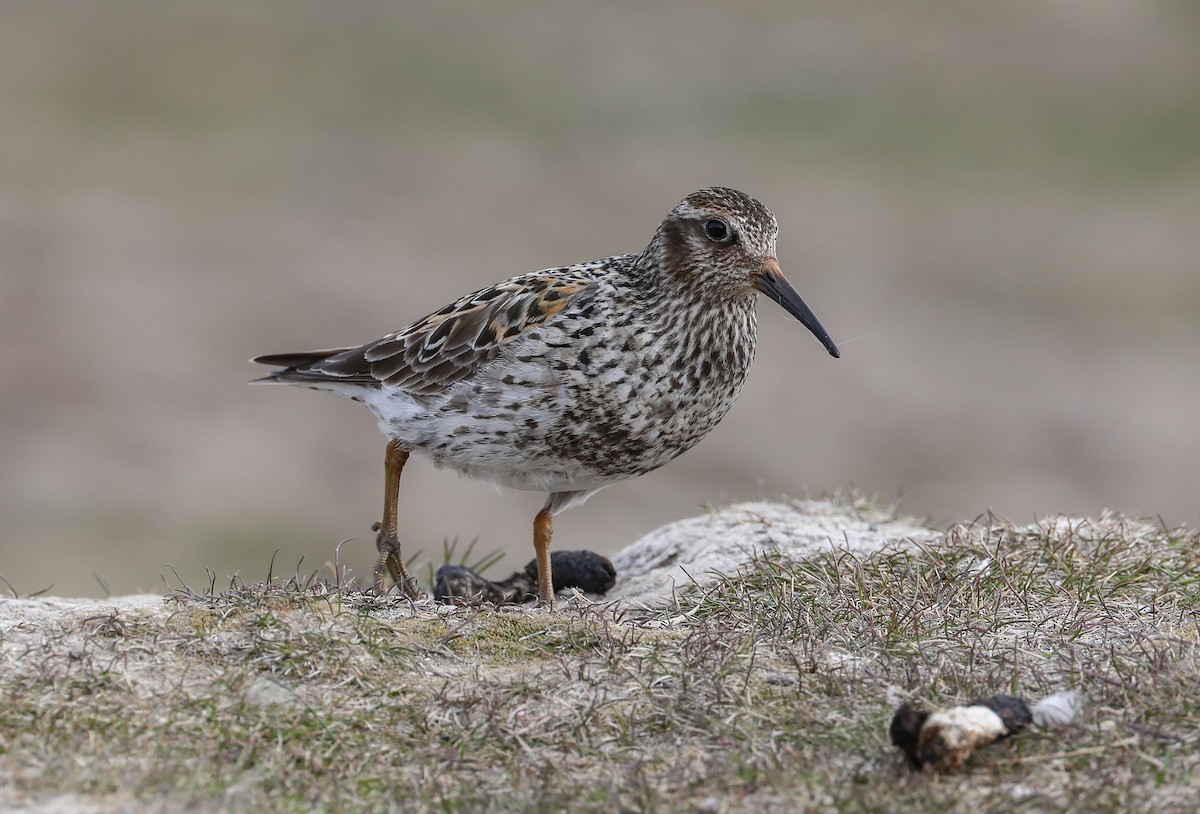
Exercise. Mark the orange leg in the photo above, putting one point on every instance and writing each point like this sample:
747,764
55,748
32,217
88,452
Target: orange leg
388,541
543,528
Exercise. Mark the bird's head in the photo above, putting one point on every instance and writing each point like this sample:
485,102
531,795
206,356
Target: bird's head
722,241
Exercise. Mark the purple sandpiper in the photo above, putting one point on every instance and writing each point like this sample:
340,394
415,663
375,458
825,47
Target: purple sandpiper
570,379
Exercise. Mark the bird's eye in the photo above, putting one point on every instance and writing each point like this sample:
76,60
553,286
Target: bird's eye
717,230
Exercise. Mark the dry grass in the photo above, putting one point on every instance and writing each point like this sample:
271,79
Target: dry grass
772,690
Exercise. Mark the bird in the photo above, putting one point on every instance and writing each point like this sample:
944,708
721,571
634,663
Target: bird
569,379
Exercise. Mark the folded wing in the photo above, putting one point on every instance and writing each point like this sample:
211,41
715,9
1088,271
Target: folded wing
444,347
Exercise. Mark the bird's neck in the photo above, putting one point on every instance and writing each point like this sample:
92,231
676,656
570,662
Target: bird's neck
692,304
713,334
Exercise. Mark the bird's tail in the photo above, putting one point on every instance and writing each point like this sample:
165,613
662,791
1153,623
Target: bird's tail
294,368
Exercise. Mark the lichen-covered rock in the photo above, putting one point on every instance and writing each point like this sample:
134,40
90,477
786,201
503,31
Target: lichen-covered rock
697,549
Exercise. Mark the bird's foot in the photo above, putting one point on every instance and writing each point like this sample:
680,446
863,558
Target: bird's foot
390,562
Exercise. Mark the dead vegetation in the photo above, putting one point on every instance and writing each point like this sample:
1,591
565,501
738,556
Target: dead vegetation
768,690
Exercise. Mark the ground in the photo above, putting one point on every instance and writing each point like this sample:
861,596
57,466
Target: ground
767,687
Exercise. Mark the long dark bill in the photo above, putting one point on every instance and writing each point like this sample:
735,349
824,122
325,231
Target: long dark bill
770,281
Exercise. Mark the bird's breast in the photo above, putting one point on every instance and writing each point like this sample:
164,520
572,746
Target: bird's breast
636,396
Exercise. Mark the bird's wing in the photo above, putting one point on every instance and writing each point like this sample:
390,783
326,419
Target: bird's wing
444,347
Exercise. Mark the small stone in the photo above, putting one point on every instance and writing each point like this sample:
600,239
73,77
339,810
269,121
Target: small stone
588,571
264,692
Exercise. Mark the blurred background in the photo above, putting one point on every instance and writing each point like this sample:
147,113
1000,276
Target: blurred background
994,208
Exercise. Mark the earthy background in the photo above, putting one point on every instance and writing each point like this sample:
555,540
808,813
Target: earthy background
994,208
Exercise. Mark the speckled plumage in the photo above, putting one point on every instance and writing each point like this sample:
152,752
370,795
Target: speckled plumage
570,379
